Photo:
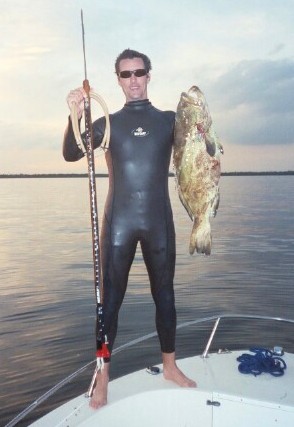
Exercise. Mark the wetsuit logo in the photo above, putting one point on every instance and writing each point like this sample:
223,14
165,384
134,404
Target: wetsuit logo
140,132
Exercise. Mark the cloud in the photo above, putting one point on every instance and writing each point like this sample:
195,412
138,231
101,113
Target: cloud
254,102
31,133
277,49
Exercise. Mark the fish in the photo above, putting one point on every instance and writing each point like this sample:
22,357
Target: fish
196,158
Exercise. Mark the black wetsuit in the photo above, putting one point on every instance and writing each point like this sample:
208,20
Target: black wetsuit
137,210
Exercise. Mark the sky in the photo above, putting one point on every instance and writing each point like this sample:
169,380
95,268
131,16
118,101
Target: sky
240,54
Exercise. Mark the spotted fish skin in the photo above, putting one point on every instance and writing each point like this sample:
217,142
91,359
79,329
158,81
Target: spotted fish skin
196,158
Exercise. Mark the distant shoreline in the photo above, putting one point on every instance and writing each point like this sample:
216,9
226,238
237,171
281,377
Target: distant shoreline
105,175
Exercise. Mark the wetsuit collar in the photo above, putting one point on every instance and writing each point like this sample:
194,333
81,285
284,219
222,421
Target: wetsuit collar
138,105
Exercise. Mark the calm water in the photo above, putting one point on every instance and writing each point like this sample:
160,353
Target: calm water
47,293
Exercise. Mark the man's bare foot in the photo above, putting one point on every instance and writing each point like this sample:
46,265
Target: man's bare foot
177,376
172,373
99,396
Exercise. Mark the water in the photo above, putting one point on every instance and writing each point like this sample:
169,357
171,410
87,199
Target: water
47,293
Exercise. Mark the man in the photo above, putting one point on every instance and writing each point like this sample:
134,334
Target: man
137,208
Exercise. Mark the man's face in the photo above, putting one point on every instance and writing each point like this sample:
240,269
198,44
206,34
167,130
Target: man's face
134,88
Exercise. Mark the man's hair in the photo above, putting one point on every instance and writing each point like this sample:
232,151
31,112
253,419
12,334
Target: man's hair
131,54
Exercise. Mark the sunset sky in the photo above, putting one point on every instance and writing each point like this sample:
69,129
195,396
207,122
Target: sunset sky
241,54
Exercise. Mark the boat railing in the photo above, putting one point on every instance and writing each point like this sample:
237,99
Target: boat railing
220,317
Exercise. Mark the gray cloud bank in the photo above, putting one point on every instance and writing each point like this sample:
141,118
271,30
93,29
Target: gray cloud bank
254,102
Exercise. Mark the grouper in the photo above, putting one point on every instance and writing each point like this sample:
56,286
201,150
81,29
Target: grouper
196,159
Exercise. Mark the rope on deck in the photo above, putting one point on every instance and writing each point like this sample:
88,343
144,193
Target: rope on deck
263,360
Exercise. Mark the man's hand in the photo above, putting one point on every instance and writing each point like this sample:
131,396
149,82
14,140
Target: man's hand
76,97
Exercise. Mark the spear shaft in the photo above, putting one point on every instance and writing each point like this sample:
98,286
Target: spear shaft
101,338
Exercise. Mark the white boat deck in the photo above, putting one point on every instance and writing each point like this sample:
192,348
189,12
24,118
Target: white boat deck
224,398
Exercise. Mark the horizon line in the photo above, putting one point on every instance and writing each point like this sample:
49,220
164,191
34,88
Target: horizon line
104,175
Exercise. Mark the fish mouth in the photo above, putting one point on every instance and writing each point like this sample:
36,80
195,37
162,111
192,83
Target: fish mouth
194,90
193,96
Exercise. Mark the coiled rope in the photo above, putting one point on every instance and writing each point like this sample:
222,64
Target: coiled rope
75,122
263,360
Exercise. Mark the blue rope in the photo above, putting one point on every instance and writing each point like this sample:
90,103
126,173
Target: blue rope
263,360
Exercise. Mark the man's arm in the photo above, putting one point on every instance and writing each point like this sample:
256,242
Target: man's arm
70,150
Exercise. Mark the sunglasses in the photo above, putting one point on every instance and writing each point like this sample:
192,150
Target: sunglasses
127,74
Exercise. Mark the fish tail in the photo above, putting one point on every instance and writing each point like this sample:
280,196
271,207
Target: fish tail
200,239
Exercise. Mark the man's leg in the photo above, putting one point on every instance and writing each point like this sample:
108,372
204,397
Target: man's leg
159,256
117,258
99,396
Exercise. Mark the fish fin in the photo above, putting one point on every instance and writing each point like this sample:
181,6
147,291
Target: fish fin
221,148
210,145
215,204
212,142
186,206
183,201
200,239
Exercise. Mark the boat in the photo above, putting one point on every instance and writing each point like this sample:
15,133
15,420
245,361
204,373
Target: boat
246,386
